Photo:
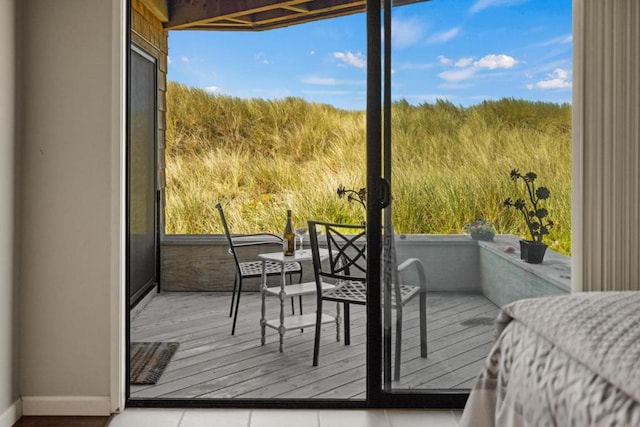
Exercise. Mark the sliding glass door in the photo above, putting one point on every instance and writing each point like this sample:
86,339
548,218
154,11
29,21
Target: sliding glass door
399,358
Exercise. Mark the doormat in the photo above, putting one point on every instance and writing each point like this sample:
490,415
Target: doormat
148,360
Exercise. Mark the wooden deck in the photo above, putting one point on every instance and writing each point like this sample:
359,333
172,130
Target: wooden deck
211,363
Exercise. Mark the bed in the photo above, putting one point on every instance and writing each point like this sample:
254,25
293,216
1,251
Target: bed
562,361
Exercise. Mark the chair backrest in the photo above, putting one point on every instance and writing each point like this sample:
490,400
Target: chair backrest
346,244
232,249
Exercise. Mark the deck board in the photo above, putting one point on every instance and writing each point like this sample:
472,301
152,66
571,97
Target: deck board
211,363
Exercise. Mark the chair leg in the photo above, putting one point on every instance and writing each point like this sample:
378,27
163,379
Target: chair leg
316,340
233,294
396,367
347,322
235,316
423,323
300,298
338,320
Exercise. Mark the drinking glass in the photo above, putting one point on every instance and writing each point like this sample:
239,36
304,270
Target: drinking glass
300,232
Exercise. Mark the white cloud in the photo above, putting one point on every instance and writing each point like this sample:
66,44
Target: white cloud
480,5
328,81
262,57
353,59
558,40
496,61
316,80
405,32
561,73
466,68
169,60
444,60
444,36
458,75
464,62
184,59
553,84
211,89
558,79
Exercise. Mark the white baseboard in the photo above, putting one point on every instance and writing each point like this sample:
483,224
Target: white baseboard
66,405
11,415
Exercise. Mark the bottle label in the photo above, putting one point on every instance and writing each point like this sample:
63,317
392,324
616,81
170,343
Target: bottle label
288,245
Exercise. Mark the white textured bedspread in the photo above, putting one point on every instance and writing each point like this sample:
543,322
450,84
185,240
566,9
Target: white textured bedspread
562,361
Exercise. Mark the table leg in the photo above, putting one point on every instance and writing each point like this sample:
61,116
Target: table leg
263,292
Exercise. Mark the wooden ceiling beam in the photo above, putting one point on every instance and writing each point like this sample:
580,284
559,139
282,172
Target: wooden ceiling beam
295,19
302,8
192,12
257,15
282,15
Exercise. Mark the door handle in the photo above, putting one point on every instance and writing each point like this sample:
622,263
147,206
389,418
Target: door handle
385,193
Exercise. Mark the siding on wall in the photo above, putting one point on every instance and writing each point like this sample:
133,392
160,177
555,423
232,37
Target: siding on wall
147,31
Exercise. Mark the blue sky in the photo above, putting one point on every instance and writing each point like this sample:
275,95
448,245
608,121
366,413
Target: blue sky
463,51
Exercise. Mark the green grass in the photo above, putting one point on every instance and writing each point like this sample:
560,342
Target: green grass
450,164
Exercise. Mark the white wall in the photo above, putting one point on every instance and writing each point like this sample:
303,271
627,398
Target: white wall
9,391
70,193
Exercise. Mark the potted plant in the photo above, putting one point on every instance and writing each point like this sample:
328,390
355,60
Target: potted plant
480,229
534,214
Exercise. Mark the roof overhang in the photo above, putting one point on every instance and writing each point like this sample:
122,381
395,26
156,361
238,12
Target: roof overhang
258,15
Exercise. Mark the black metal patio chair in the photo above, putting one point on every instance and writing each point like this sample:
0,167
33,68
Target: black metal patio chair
346,268
253,268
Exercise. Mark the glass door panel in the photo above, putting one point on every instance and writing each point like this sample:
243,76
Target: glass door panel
449,165
141,171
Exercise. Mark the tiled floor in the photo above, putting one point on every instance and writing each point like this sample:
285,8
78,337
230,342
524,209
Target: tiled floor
285,418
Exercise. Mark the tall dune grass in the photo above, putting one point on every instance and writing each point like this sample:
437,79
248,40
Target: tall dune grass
450,164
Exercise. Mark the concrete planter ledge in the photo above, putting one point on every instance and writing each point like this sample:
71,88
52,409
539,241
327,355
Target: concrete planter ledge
454,263
507,278
555,268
